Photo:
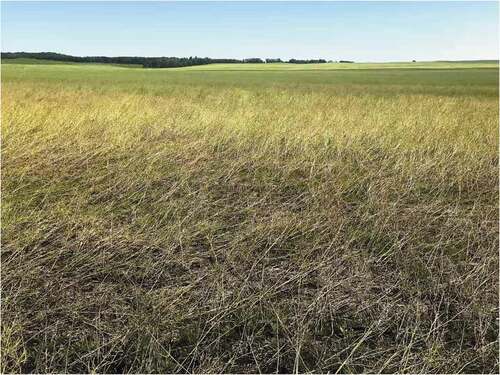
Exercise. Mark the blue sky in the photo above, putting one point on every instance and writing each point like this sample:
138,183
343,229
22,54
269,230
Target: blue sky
360,31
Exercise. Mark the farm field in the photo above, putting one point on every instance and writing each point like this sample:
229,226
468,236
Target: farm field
347,66
239,218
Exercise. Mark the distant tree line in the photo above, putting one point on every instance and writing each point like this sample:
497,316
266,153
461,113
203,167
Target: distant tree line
178,62
295,61
87,59
271,61
148,62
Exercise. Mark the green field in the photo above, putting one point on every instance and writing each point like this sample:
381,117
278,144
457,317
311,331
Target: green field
240,218
347,66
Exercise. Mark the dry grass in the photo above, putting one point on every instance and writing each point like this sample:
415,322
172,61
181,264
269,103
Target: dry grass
248,228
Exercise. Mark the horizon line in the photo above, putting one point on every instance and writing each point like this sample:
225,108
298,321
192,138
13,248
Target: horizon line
264,58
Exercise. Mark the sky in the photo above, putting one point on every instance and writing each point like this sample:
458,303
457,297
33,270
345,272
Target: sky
359,31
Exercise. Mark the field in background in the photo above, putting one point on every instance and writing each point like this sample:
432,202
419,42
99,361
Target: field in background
347,66
480,64
188,220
